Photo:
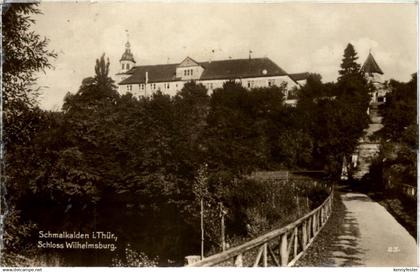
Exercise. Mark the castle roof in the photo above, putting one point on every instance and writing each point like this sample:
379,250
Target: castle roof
156,73
370,66
219,69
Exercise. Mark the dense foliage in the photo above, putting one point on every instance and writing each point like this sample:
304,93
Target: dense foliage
397,162
334,114
24,54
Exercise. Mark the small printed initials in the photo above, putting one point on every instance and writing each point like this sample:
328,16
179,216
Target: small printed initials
393,249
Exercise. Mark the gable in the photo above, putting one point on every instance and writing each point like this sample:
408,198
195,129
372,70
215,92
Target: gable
188,62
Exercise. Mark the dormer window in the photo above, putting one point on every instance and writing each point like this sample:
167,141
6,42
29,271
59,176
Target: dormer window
189,69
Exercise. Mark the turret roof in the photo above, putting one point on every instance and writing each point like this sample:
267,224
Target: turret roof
370,66
127,55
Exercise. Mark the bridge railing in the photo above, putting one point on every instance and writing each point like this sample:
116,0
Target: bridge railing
280,247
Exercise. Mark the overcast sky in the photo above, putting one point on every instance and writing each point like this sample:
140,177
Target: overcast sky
299,37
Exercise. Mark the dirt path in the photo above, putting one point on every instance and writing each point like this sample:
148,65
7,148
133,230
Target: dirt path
361,233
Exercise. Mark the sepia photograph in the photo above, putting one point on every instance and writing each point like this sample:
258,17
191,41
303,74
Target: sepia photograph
209,134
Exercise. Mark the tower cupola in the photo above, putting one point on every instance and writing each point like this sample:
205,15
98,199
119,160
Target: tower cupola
127,59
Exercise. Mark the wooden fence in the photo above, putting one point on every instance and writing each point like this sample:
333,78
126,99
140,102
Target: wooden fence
280,247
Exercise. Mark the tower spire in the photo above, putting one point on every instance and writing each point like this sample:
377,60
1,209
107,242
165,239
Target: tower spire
127,44
127,56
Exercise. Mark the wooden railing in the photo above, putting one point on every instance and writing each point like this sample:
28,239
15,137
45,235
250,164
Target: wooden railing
280,247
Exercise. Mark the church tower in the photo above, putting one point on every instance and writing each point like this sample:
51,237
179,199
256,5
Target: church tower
127,60
373,74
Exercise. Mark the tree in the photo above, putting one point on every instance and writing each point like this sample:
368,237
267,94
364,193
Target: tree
349,66
400,108
400,133
333,115
24,54
230,136
95,92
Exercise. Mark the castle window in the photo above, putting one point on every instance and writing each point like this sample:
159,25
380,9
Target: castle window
141,86
271,82
128,66
123,66
129,87
191,71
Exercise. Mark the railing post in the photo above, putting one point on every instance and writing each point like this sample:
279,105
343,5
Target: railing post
309,226
328,208
326,213
257,259
296,242
283,250
265,255
313,225
304,235
238,262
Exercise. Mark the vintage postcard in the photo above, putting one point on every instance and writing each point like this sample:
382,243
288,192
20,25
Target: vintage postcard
233,134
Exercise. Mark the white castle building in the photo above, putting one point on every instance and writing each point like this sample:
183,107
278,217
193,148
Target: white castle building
170,78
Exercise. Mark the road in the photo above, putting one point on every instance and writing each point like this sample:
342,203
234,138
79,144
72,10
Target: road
361,233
